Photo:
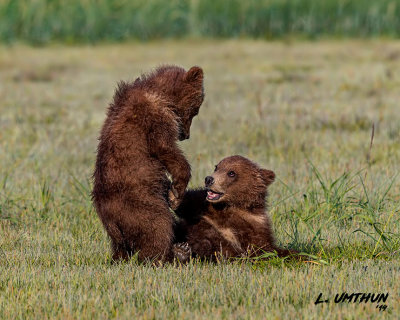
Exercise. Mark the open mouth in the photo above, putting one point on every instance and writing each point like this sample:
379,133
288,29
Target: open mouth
212,195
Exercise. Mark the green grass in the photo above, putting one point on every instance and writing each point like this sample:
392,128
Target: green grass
304,110
42,21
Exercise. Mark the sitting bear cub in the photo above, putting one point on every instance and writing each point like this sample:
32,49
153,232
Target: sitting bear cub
229,216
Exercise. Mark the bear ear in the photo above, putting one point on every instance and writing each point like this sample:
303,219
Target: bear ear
268,176
195,74
137,81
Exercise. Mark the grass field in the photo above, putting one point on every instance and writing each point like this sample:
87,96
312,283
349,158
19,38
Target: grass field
324,116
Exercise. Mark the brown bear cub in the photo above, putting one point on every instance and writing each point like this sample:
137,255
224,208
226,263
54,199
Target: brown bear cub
137,148
229,216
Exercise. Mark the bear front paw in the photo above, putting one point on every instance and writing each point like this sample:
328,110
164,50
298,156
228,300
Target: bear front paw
182,251
173,201
179,187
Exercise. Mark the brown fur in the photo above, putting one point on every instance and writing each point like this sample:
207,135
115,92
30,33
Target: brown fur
237,223
137,148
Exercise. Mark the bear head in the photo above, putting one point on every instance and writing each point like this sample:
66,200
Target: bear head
184,90
238,182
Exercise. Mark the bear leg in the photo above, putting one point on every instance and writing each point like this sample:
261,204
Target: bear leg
154,234
119,252
118,247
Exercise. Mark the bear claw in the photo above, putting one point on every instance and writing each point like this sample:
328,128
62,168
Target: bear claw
173,201
182,251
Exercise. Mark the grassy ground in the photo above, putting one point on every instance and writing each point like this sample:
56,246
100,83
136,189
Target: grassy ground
305,110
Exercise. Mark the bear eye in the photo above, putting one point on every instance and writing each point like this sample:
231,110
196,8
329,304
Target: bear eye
231,174
215,169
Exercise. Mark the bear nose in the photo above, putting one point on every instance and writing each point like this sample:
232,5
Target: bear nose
209,181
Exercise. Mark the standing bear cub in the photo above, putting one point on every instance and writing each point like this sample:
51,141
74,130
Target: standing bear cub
229,216
137,148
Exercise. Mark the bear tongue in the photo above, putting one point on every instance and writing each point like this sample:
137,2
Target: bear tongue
212,195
